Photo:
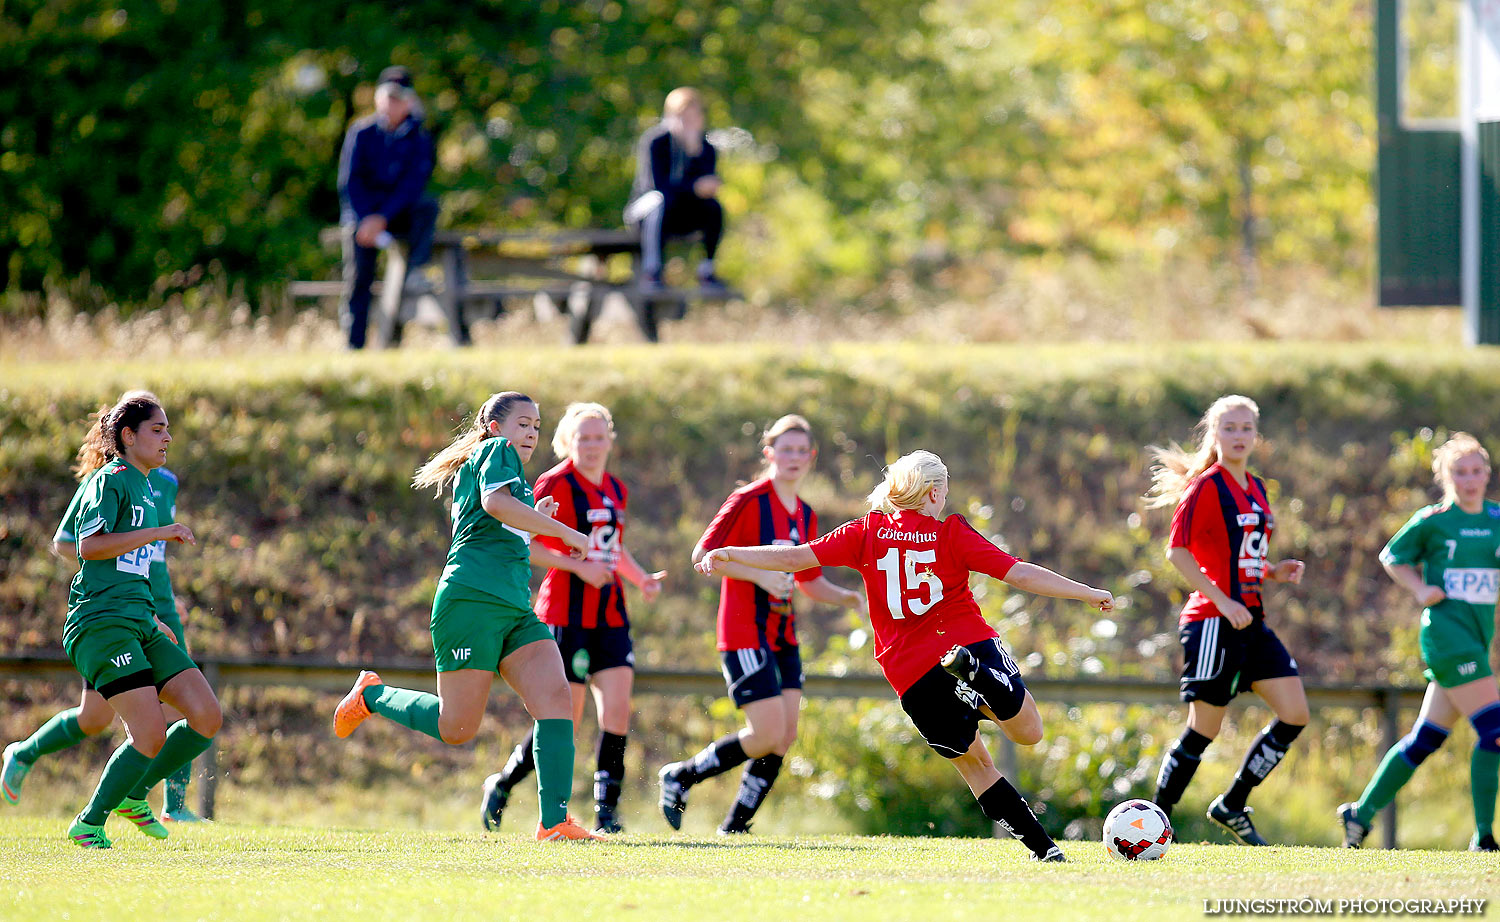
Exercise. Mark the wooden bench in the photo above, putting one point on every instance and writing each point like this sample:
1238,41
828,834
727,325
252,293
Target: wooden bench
521,265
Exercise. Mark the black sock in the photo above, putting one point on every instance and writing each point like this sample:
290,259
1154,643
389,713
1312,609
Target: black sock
716,758
612,754
1005,805
755,784
1177,768
520,764
1264,755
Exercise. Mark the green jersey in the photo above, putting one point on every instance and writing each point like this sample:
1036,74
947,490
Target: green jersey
163,485
116,498
1458,552
487,554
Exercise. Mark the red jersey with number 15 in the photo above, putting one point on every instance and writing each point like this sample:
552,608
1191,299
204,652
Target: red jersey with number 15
916,572
750,617
597,510
1227,528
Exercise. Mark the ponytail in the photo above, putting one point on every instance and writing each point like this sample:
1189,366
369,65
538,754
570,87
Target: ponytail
1174,468
907,482
442,467
102,444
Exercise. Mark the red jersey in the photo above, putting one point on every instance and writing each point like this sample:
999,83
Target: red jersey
597,510
1228,531
749,617
916,572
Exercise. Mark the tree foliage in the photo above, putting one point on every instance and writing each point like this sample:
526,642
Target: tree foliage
144,139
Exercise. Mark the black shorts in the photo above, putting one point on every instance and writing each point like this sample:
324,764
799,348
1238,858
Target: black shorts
757,674
587,650
1220,662
946,710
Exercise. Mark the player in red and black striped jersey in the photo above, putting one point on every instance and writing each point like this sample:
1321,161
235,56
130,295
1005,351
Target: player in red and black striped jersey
1221,533
943,660
757,628
583,601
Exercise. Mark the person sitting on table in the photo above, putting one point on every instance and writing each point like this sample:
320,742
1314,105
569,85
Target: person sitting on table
384,167
675,188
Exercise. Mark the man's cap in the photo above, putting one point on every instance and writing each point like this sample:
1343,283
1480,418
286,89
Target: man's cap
396,74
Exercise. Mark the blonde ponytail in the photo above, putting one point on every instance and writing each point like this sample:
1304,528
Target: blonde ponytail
907,482
1174,468
442,467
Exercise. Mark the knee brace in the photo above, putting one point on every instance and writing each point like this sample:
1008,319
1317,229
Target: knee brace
1486,723
1423,740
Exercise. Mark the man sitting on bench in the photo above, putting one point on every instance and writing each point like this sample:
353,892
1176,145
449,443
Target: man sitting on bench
675,189
383,172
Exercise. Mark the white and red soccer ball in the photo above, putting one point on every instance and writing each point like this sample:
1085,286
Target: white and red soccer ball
1137,830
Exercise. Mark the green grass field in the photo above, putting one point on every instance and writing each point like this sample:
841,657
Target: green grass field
264,873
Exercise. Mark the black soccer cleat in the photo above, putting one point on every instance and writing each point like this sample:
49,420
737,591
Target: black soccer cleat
734,829
1354,830
1484,843
1236,821
492,805
606,804
674,794
1052,854
960,663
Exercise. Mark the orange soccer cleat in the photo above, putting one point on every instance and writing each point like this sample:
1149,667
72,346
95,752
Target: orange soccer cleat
567,829
352,711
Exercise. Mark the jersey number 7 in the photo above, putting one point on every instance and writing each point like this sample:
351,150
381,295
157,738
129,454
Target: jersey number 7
895,594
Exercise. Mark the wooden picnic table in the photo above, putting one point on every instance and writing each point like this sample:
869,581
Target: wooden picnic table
519,264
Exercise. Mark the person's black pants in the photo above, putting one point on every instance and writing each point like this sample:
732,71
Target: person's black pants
416,226
682,217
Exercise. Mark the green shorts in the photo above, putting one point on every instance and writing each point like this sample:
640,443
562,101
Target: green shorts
475,630
117,653
1455,645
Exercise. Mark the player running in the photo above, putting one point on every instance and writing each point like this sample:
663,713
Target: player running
1221,533
482,622
757,631
93,715
112,635
1446,557
583,600
941,657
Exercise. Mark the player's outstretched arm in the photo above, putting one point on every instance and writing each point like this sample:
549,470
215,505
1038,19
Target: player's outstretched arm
789,559
510,511
105,545
1031,578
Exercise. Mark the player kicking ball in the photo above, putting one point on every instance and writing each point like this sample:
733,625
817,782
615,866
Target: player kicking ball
941,657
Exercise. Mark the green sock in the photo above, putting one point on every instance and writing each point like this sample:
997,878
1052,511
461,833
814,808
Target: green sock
1484,783
183,745
59,732
1390,777
414,710
122,773
553,749
177,785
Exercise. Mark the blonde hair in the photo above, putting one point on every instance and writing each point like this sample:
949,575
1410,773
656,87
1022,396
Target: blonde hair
788,423
907,482
679,100
1459,445
567,427
1175,467
442,467
103,442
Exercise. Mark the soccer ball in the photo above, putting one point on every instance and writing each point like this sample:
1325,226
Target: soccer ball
1137,830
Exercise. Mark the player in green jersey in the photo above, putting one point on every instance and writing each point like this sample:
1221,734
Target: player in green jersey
93,715
1448,557
482,622
112,634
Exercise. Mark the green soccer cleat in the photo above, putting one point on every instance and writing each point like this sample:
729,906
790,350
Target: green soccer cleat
139,813
87,836
12,773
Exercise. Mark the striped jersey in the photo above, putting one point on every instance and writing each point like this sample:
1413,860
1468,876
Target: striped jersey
597,510
1227,529
750,617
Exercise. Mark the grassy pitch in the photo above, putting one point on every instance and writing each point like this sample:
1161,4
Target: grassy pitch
269,873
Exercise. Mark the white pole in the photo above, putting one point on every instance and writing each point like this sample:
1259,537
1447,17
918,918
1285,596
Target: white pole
1468,103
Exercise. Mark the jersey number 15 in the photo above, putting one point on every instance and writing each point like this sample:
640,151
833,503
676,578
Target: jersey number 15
890,564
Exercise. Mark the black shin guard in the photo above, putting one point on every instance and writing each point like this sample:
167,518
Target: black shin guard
716,758
1264,755
1005,805
520,764
755,784
1177,768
